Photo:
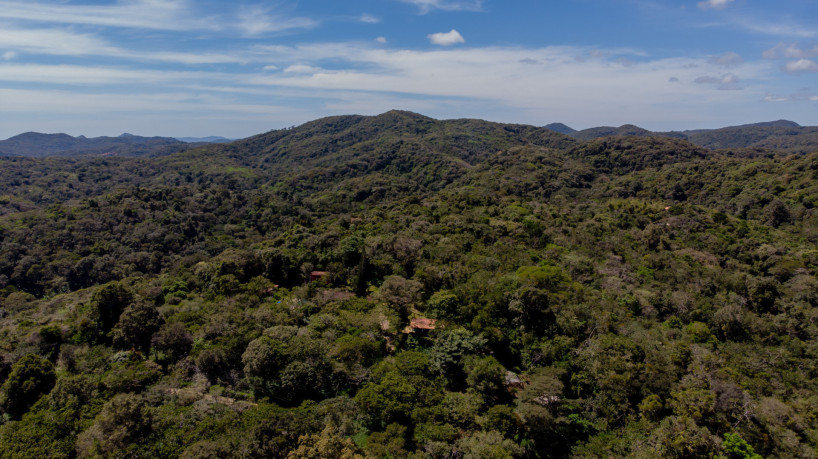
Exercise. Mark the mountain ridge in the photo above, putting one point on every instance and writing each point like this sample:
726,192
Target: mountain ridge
36,144
781,135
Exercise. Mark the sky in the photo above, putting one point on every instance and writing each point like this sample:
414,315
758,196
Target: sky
239,68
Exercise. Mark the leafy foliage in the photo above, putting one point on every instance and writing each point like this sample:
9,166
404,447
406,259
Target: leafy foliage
625,296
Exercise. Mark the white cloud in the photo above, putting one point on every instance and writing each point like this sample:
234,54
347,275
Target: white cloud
168,15
790,51
727,81
502,77
301,68
727,60
369,19
381,40
801,65
52,41
144,14
801,96
452,37
788,29
58,42
89,75
446,5
714,4
492,82
257,20
9,55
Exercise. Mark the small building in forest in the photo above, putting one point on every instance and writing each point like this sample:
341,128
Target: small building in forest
420,326
315,275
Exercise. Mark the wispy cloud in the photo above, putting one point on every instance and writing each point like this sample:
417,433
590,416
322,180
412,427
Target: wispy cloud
88,75
557,80
446,5
525,83
60,42
258,20
723,82
804,95
452,37
369,19
801,66
777,29
727,60
53,42
143,14
790,51
714,4
302,68
165,15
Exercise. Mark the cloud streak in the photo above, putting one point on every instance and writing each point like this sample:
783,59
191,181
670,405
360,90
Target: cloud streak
258,20
59,42
143,14
789,29
790,51
426,6
163,15
727,60
715,4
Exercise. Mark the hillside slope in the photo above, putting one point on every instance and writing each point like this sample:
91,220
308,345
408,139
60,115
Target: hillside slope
780,136
398,286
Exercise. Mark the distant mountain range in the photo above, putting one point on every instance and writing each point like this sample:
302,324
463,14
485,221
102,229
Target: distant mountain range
781,135
34,144
211,139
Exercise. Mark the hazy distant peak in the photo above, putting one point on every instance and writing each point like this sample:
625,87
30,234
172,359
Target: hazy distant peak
560,128
778,123
36,144
209,139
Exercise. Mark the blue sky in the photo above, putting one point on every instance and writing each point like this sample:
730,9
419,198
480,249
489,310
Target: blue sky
198,68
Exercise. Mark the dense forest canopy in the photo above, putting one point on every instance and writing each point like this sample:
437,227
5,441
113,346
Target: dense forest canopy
635,296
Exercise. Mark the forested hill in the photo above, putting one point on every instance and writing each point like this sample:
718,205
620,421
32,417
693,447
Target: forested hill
780,136
34,144
627,295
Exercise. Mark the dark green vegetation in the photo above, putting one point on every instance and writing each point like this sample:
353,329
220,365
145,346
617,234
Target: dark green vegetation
33,144
656,299
761,138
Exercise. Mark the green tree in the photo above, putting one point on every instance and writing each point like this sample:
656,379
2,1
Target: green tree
31,377
174,340
212,363
137,324
487,377
449,351
107,305
325,445
736,448
118,430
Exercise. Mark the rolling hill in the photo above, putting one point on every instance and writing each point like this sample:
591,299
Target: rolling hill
628,295
33,144
781,136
